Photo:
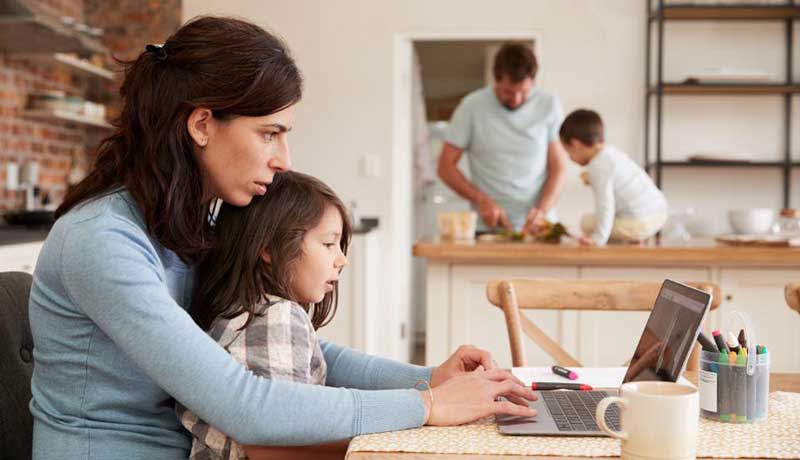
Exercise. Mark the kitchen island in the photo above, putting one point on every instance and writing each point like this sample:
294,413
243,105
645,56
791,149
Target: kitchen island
751,280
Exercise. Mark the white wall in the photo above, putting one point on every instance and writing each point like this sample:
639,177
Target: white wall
591,55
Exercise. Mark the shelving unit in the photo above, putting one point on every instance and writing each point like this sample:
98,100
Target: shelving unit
24,30
658,12
83,66
63,115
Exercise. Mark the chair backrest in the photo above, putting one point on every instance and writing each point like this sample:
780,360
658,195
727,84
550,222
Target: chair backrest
16,366
586,295
792,293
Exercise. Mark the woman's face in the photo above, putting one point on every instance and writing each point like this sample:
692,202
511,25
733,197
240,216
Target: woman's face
239,157
322,259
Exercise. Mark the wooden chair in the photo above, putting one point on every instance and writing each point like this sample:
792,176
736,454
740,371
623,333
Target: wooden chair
513,295
792,293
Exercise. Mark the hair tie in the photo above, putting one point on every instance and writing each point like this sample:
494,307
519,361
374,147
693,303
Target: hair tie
158,51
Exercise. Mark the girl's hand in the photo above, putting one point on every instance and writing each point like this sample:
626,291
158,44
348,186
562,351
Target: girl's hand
466,359
469,397
585,241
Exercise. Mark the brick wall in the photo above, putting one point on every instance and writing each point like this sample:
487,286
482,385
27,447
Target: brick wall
55,145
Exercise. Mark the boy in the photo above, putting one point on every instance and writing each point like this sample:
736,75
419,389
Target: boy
628,206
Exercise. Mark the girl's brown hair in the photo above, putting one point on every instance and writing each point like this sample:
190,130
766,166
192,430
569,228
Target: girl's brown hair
227,65
233,278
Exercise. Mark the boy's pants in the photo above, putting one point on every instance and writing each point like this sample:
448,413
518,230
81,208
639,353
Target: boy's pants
628,229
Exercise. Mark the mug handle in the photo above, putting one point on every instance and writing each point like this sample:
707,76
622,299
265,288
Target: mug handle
600,415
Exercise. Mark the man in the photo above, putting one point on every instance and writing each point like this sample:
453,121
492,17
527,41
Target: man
510,132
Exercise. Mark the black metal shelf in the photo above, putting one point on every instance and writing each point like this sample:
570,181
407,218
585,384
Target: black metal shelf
724,164
657,13
725,12
732,89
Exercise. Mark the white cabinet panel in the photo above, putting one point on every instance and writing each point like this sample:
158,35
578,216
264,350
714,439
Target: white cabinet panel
474,321
609,338
759,293
19,257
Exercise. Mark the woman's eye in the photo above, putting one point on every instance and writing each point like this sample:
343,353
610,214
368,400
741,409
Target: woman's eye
330,245
269,136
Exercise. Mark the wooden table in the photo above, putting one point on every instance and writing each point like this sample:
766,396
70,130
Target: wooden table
777,382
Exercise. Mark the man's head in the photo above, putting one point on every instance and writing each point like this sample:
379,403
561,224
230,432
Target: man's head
514,69
582,135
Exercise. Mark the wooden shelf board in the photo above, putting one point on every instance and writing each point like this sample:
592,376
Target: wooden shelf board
730,89
63,115
723,164
729,12
25,31
84,66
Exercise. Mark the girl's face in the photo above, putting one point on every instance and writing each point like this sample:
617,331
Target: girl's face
322,260
239,157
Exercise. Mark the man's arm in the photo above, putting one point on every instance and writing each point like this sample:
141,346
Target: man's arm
556,175
448,171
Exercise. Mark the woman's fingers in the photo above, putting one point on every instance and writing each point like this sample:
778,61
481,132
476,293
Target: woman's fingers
510,388
509,408
518,401
499,375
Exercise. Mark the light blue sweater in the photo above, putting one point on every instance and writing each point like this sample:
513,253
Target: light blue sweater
113,344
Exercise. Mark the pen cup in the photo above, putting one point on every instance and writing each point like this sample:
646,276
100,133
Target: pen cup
734,392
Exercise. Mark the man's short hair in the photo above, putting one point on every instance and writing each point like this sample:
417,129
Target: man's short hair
584,125
515,60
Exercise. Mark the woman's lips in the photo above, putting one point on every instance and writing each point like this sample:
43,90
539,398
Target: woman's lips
261,188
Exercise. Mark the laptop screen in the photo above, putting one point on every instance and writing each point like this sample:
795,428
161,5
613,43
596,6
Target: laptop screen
670,333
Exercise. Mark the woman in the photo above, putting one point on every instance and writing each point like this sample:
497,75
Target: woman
206,116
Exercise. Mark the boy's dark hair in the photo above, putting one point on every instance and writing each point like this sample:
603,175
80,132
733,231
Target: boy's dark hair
233,278
230,66
584,125
515,60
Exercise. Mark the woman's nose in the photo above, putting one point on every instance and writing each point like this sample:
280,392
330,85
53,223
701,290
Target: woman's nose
282,160
341,261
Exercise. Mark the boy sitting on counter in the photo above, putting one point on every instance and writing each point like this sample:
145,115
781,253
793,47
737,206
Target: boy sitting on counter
628,206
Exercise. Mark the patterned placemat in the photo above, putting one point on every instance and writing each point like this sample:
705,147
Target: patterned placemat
777,437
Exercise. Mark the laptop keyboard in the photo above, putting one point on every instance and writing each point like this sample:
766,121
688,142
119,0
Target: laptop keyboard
574,410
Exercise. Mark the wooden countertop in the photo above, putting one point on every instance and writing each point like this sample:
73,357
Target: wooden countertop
692,253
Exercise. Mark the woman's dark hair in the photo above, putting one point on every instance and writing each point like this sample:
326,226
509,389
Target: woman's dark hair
515,60
233,278
227,65
584,125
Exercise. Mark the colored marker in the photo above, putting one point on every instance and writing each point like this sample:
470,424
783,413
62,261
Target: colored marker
724,389
741,387
733,343
706,343
758,349
564,372
560,386
732,394
742,339
720,341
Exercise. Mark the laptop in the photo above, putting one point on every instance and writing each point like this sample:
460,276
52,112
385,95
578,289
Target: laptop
661,355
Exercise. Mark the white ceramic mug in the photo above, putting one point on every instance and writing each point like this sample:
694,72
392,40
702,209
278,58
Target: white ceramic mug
659,420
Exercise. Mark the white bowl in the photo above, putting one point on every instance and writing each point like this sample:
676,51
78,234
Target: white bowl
755,221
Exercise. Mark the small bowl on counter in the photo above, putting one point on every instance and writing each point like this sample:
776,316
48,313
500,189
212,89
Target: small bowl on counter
753,221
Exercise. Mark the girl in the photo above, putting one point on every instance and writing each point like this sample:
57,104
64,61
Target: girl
267,286
205,116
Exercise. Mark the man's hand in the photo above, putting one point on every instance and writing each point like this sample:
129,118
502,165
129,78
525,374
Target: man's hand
493,214
534,220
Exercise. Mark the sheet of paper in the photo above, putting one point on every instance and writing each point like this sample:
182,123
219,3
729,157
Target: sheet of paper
597,377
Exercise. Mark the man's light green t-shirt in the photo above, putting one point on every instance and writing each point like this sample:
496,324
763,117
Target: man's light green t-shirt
507,149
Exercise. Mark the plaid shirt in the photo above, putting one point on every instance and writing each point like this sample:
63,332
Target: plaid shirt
280,343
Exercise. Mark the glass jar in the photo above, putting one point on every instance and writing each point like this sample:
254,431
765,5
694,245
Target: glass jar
788,223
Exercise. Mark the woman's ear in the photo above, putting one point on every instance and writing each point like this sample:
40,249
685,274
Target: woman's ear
265,257
198,125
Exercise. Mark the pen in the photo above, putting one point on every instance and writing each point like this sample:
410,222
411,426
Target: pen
742,338
720,342
733,343
560,386
706,343
564,372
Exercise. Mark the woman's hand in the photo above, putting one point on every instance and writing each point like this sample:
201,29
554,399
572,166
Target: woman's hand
466,359
471,396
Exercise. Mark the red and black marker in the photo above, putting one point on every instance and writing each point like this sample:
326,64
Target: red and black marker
544,386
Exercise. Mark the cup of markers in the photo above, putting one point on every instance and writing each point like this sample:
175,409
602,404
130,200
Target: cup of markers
734,377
